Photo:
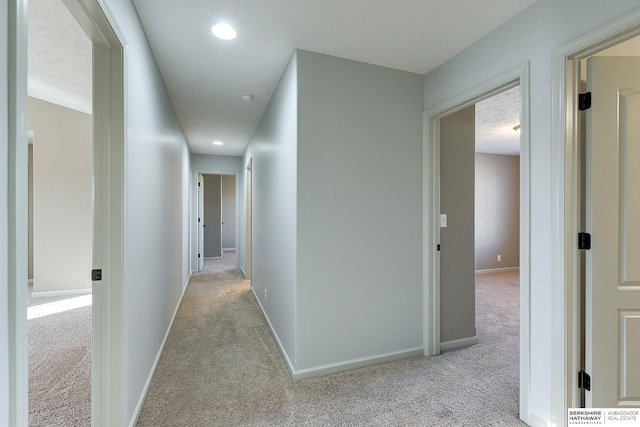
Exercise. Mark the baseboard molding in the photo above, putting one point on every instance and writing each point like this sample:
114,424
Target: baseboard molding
275,335
68,292
462,342
212,257
497,270
535,421
147,385
30,281
228,249
244,273
334,368
349,365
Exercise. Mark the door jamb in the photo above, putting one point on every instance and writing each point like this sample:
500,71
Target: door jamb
194,215
566,206
431,212
108,198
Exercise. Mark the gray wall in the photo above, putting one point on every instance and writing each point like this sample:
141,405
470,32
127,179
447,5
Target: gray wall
62,205
457,252
531,37
274,153
228,212
6,301
497,211
156,208
359,278
212,217
30,219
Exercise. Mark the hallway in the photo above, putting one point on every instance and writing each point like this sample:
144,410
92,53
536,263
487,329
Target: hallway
221,366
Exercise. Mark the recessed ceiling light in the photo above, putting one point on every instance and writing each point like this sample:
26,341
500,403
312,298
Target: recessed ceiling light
223,31
246,96
218,143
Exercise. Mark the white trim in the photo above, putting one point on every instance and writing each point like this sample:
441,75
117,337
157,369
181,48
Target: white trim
347,365
290,366
17,243
67,292
334,368
228,249
497,270
462,342
565,342
29,281
154,367
431,227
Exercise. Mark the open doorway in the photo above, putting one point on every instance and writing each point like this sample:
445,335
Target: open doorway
217,223
61,214
598,138
450,235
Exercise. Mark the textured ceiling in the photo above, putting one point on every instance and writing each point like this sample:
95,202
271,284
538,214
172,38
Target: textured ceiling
205,76
59,55
495,120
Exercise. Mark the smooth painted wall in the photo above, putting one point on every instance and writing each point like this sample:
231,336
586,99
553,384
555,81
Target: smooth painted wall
62,209
497,211
228,212
212,216
359,211
273,152
157,186
457,252
6,302
531,37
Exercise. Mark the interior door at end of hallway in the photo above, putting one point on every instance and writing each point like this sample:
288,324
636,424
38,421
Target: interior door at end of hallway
612,312
200,222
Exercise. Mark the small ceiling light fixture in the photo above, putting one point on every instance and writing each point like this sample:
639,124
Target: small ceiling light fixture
218,143
223,31
516,128
246,96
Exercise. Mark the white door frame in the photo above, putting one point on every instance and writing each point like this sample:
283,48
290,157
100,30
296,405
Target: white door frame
566,341
108,200
431,215
194,210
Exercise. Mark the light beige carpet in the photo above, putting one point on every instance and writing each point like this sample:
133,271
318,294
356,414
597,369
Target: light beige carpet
216,265
60,366
221,367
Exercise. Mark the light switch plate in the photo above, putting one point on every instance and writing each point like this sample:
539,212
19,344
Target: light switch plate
443,220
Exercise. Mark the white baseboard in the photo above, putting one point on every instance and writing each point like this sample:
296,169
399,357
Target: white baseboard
30,281
147,385
535,421
275,335
497,270
228,249
462,342
212,257
244,273
349,365
64,293
334,368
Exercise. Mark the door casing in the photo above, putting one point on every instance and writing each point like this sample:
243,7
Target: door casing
566,185
108,199
431,215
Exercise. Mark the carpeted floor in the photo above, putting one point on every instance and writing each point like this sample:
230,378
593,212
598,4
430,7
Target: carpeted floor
215,265
59,365
221,367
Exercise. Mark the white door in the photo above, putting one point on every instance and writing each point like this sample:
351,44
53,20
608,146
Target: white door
613,218
200,222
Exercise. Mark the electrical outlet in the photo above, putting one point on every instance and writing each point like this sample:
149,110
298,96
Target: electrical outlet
265,294
499,257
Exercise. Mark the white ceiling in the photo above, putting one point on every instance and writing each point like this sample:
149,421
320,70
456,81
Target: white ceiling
495,119
59,56
205,76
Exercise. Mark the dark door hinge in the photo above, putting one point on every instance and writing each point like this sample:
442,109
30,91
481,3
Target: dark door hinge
96,275
584,241
198,255
198,184
584,380
438,247
584,101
